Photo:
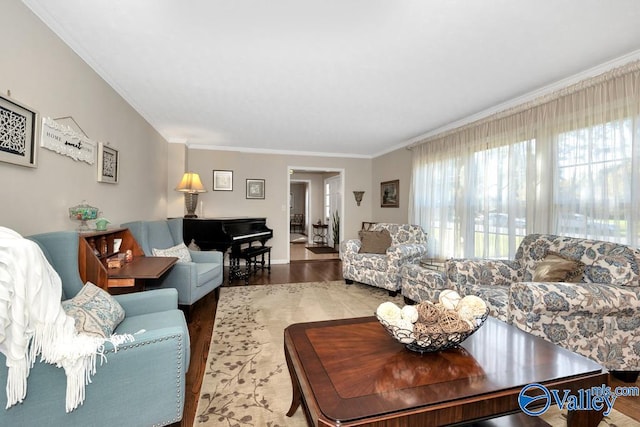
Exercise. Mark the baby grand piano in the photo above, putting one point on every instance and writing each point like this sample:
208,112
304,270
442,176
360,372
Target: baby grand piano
223,234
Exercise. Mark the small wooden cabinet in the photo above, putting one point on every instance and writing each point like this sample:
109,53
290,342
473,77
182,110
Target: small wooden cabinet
95,247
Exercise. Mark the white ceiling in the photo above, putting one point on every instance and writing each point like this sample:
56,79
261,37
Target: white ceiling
343,77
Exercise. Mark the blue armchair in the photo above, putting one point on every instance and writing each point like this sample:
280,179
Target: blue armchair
141,384
193,280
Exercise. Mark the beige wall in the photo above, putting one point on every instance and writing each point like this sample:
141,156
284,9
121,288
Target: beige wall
46,75
176,167
274,169
389,167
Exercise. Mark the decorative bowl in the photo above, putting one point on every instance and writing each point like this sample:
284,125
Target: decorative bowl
83,213
430,342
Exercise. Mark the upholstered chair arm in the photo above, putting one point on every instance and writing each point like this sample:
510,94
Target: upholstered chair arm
404,251
397,255
152,301
463,272
529,300
206,256
350,247
400,254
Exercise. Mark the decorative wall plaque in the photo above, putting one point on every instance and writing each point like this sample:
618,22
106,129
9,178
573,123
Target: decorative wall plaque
66,141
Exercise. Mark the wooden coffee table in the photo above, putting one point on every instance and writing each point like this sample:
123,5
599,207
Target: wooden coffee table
350,372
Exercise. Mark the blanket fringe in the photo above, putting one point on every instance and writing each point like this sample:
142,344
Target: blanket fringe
76,353
16,382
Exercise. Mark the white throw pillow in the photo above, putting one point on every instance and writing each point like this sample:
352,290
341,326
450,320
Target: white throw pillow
180,251
95,311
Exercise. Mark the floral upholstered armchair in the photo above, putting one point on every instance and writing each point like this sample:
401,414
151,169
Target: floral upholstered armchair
407,244
581,294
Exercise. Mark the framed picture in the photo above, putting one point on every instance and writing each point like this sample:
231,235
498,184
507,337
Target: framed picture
390,194
19,130
255,188
222,180
108,164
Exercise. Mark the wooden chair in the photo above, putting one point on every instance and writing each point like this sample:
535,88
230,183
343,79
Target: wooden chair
297,223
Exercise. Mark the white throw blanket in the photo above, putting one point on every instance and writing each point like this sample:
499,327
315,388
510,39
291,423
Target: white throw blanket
32,322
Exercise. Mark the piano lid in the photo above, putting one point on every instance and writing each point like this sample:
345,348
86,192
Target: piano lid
224,232
228,218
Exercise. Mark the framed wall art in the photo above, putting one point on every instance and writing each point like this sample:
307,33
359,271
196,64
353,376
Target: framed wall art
222,180
255,188
108,164
19,131
390,194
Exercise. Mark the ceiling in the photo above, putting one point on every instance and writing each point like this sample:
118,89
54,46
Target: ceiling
333,77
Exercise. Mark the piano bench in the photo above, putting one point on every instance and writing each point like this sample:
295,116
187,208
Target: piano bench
250,256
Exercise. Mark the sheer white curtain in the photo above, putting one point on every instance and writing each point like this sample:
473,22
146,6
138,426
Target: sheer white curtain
469,190
565,164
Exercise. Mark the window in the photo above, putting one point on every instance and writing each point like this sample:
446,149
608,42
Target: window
594,176
499,200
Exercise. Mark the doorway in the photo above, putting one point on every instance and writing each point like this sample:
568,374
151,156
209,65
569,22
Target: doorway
299,211
318,192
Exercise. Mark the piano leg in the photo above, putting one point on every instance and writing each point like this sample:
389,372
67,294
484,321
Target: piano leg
247,270
234,268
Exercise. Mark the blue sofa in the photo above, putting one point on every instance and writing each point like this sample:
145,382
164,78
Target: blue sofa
142,384
193,280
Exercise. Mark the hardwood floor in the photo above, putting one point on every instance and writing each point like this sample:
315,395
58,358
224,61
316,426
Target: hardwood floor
299,252
203,314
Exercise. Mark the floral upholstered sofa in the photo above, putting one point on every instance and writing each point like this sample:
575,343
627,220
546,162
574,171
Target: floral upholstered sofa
408,244
595,311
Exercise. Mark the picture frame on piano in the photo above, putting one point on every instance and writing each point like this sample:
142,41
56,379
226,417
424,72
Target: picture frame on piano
222,180
255,189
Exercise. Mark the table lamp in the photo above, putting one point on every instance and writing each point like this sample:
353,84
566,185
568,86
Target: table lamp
191,185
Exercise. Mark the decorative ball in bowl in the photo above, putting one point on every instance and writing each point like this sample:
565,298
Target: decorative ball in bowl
429,327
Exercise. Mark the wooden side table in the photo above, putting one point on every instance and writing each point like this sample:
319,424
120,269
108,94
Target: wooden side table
437,264
320,234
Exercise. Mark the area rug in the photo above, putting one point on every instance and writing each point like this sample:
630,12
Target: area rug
322,249
247,383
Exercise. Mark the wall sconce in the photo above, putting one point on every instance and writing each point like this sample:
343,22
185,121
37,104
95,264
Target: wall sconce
358,195
191,185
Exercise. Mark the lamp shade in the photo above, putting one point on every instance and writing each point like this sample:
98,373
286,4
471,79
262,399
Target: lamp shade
191,183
